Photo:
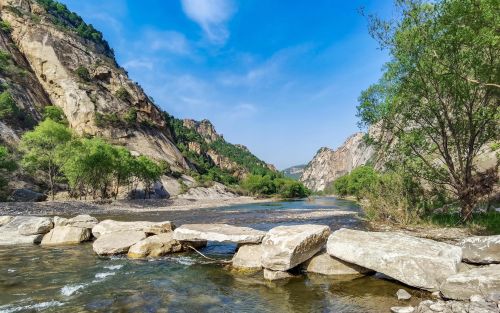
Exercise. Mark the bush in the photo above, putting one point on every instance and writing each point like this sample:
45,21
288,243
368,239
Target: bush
131,116
4,61
5,27
106,119
122,94
54,113
8,107
83,73
7,165
355,182
289,188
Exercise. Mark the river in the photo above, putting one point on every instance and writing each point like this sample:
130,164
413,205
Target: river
74,279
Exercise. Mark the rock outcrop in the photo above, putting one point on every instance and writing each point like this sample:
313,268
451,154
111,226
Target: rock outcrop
9,232
418,262
219,233
328,165
285,247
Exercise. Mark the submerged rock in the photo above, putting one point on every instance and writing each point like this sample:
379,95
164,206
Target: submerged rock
403,294
479,280
110,226
117,242
429,306
218,232
65,235
276,275
155,246
417,262
35,226
285,247
325,264
481,249
248,257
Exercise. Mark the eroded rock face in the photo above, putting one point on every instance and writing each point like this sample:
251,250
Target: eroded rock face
417,262
110,226
328,165
483,280
218,232
66,235
155,246
325,264
35,226
285,247
248,257
117,242
481,249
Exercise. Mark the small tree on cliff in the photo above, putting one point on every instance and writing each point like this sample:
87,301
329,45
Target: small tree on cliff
41,147
438,97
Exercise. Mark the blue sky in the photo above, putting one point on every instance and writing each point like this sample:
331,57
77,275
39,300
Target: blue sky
281,77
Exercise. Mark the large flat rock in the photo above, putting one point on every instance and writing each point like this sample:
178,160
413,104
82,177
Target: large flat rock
325,264
482,280
218,232
83,221
9,232
117,242
285,247
35,226
481,249
418,262
110,226
66,235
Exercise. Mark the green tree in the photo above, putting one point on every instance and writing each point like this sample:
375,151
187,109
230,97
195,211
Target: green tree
288,188
259,185
8,107
437,101
7,165
148,172
41,147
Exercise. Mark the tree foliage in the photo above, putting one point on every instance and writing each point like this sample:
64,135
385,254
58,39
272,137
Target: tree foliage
54,113
7,165
437,102
266,185
41,146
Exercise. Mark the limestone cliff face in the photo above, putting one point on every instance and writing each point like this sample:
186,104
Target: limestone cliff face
328,165
22,84
54,55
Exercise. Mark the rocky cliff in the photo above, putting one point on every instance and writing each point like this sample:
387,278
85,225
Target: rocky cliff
294,172
77,72
328,165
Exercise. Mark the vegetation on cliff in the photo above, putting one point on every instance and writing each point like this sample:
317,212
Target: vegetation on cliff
437,102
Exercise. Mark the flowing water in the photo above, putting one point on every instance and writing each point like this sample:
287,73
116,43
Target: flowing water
74,279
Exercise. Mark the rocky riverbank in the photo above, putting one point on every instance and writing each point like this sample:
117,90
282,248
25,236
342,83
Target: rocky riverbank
464,277
77,207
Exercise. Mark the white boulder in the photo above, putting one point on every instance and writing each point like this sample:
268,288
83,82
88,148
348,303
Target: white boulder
276,275
65,235
155,246
35,226
117,242
418,262
285,247
248,257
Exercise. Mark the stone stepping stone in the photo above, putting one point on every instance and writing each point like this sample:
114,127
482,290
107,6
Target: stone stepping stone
219,233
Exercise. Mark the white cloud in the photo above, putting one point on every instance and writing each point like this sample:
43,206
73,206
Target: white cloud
212,16
170,41
243,110
138,63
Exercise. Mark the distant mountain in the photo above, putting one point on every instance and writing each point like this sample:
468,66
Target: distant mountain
294,172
